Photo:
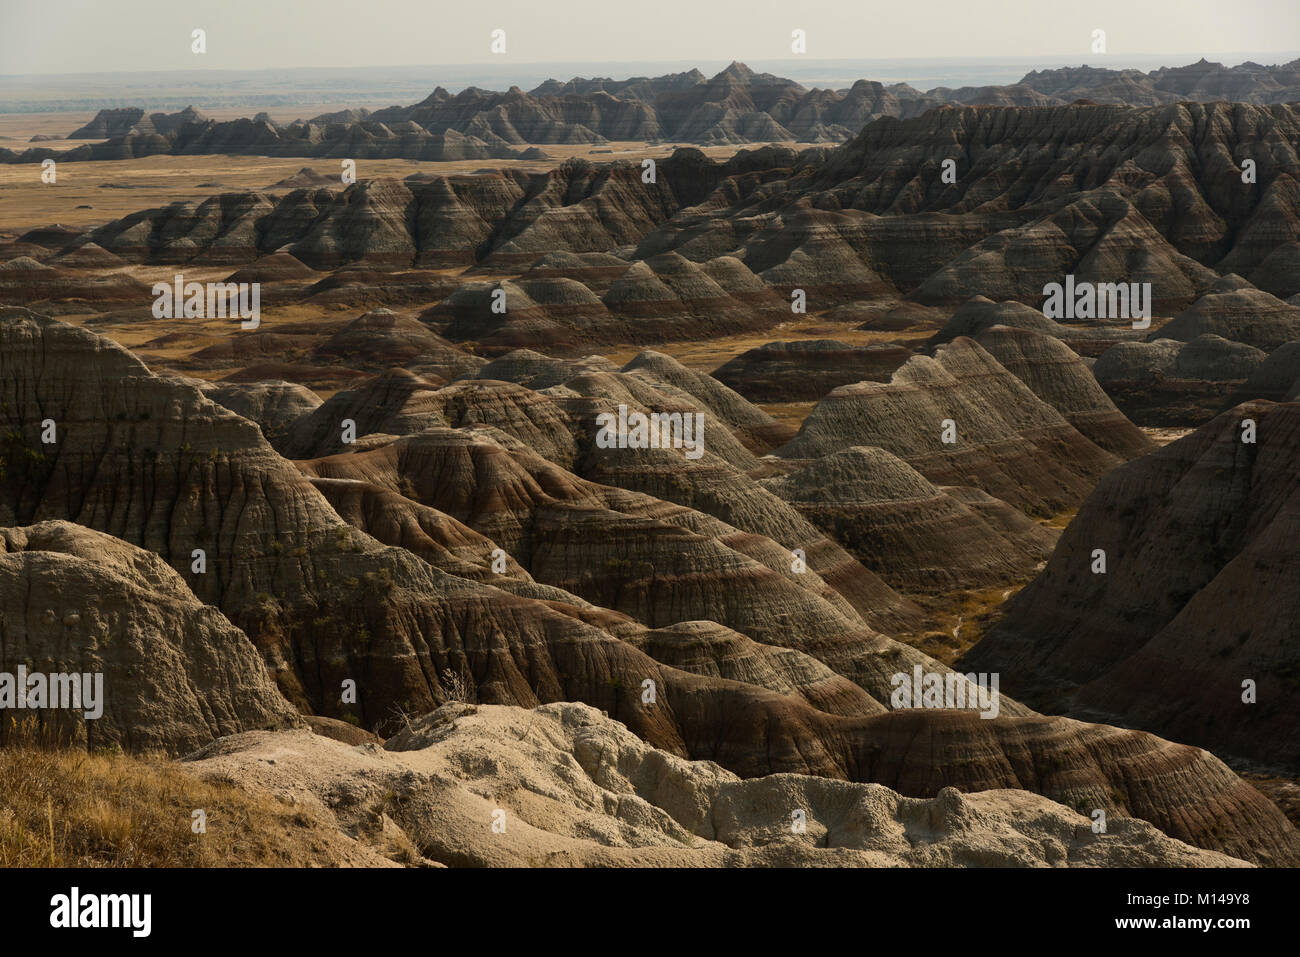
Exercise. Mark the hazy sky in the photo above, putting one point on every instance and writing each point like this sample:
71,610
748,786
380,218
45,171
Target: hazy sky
45,36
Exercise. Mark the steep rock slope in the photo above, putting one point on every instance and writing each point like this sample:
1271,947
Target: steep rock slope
1235,311
1105,193
1166,382
1059,377
1196,598
914,535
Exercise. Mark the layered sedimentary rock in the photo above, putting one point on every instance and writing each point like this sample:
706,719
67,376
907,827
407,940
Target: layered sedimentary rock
52,237
914,535
1269,241
1279,272
594,270
557,425
707,648
285,345
1005,439
980,313
131,135
150,460
536,371
661,299
365,285
434,536
513,216
1276,379
381,338
306,177
394,403
598,542
273,405
816,251
61,288
273,267
1105,194
1059,377
108,122
508,315
757,429
1103,238
736,105
884,315
1039,194
581,207
1203,80
1239,313
166,672
87,256
1199,541
1167,382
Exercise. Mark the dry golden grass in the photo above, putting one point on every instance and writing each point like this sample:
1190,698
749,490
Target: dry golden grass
1060,520
957,621
1165,436
788,413
61,807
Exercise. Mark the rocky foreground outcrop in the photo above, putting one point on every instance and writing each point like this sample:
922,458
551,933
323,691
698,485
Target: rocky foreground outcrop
1197,597
173,672
568,787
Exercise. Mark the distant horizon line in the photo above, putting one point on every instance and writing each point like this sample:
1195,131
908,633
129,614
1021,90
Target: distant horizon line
1223,57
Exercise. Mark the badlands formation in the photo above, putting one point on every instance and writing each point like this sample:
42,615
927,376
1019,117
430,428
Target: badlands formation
371,551
735,106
